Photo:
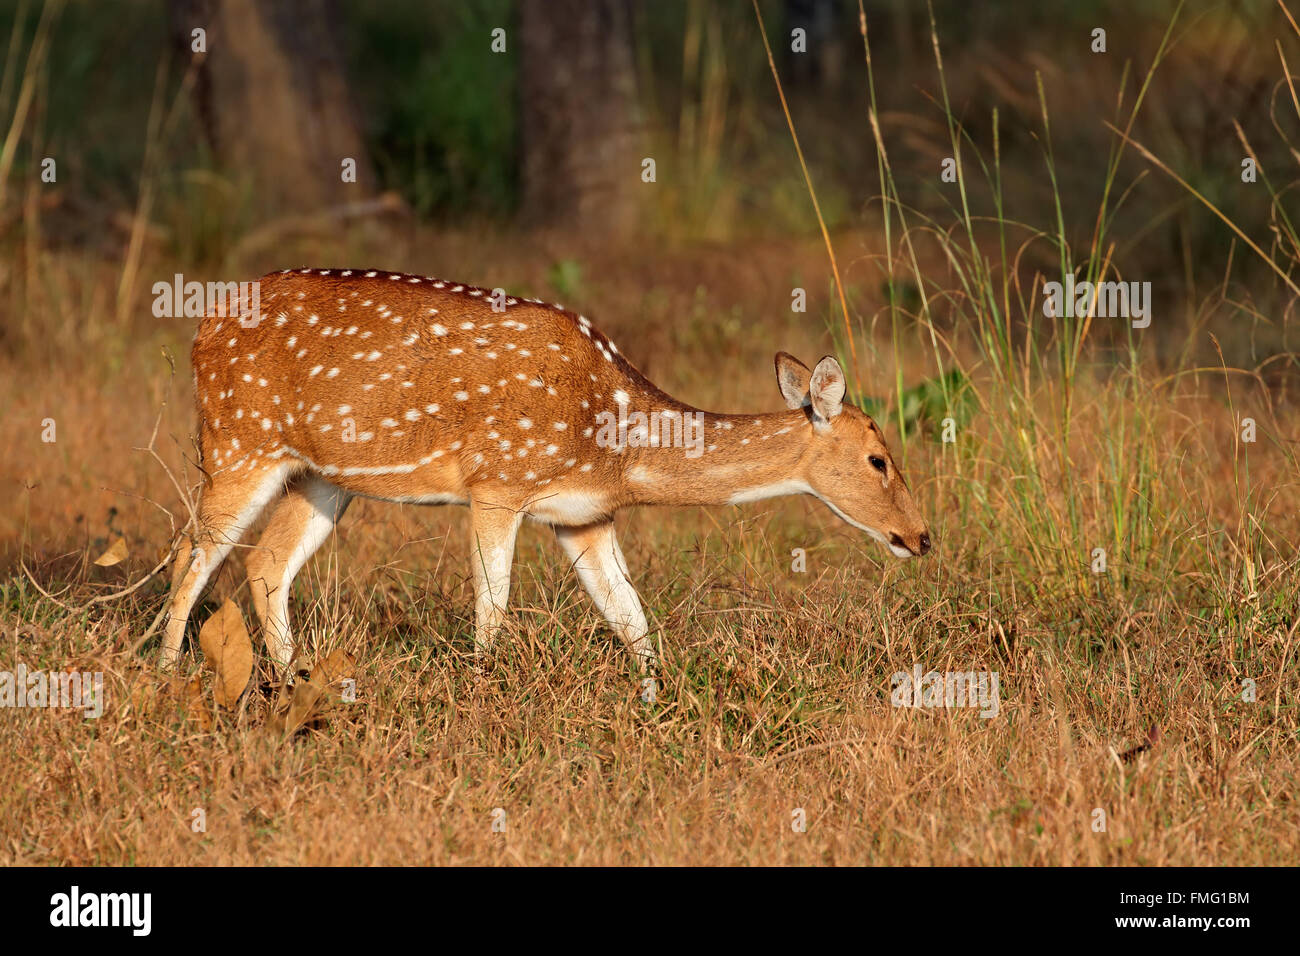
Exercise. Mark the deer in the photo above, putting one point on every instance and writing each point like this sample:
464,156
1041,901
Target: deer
344,383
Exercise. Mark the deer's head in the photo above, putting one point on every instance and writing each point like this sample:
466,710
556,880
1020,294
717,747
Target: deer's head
848,464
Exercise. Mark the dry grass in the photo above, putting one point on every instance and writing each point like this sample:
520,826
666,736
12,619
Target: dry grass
775,687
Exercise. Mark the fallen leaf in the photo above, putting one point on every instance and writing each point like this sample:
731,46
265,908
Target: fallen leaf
228,650
115,554
338,665
308,699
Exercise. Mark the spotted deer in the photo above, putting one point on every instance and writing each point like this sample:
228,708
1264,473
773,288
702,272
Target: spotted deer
418,390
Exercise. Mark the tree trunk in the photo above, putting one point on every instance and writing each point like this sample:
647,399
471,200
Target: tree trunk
273,99
580,129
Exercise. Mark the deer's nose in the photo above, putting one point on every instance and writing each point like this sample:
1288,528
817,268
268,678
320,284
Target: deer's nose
924,543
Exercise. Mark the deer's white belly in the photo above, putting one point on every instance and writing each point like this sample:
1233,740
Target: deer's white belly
570,508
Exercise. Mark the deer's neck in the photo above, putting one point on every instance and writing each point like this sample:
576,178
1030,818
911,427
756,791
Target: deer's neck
717,459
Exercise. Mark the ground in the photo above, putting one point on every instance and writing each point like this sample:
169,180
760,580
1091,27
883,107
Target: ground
1128,729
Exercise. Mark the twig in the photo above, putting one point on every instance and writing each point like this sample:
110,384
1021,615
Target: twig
46,594
104,598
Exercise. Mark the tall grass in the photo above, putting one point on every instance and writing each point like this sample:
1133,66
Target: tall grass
1086,446
1101,481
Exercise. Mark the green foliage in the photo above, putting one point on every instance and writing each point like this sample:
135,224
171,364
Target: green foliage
565,277
99,77
441,105
927,403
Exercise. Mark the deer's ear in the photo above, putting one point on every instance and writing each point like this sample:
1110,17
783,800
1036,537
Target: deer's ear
793,377
826,388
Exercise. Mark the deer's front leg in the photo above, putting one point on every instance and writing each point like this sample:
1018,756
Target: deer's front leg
601,568
492,549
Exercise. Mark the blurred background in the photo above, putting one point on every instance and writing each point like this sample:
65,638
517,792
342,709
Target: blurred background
214,159
636,160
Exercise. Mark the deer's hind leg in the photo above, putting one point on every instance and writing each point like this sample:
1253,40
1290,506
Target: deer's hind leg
300,523
228,507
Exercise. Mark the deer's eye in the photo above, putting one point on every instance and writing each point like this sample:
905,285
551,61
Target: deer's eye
877,463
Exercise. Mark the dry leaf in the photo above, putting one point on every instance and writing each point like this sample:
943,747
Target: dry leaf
305,703
229,652
115,554
338,665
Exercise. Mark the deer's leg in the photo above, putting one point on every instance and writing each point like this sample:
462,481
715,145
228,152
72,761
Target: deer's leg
300,523
492,549
228,507
601,568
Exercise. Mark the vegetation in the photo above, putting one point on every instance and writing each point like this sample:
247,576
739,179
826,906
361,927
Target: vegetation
1158,687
